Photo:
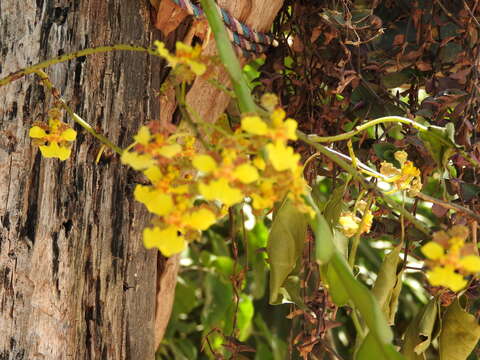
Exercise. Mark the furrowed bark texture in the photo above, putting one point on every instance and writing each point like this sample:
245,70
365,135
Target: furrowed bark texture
75,280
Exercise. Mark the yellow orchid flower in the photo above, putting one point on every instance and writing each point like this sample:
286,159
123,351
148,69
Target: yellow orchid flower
53,140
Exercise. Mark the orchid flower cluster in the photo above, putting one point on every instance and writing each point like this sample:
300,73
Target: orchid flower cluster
192,186
408,177
351,224
451,259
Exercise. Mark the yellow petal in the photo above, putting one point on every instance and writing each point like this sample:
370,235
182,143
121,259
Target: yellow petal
433,250
168,241
261,202
182,48
69,135
349,224
201,219
220,190
246,173
204,163
142,193
156,202
63,153
254,125
282,157
143,136
470,263
277,116
137,161
154,174
259,163
401,156
197,67
169,151
291,126
446,277
54,151
37,132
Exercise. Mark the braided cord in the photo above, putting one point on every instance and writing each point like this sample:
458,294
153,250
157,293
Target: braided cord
250,41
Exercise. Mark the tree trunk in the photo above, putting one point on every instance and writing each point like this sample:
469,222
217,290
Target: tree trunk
75,280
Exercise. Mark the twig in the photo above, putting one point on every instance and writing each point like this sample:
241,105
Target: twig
449,205
474,235
471,13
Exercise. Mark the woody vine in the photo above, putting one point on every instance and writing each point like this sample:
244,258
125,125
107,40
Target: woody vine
198,171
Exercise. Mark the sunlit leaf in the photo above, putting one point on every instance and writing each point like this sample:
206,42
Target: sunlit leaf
244,317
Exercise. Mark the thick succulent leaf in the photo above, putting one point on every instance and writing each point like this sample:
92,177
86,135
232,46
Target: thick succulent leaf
285,244
460,333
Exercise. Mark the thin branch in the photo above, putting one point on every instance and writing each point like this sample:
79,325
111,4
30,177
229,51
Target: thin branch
449,205
62,58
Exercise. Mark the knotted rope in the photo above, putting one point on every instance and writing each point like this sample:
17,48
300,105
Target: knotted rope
242,36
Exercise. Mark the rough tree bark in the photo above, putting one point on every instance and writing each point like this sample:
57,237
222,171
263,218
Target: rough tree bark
75,280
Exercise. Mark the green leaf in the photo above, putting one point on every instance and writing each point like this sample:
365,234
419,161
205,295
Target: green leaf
371,349
218,299
244,317
394,80
285,244
335,287
334,205
223,266
184,349
324,245
460,333
386,151
185,299
469,191
363,300
291,292
422,331
388,285
257,239
440,143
